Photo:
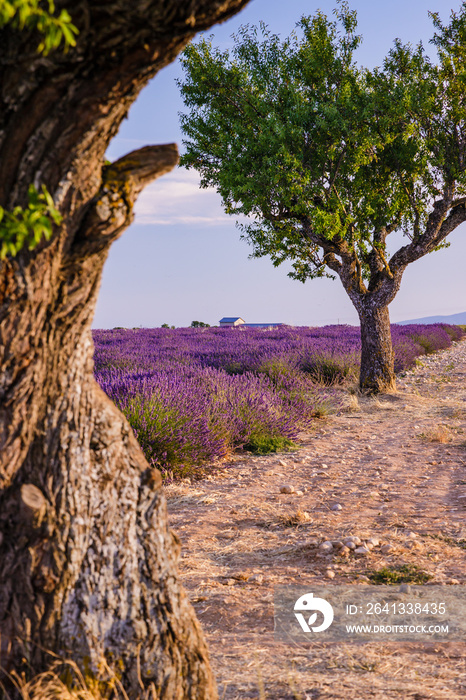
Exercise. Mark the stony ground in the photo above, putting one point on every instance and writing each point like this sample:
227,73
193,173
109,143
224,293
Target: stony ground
391,469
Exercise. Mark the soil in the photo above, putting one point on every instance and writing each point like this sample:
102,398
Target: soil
396,465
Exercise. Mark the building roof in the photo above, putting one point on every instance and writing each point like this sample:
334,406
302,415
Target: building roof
231,319
263,325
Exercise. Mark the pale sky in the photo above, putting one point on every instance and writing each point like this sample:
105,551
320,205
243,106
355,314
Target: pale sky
182,259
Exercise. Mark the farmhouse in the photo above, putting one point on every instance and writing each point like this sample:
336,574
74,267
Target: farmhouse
230,321
227,321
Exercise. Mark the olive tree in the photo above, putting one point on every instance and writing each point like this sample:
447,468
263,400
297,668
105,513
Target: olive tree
329,159
87,561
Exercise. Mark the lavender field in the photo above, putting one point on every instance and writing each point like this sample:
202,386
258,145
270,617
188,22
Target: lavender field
193,395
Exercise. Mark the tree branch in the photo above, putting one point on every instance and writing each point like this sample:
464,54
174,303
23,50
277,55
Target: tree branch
332,262
138,168
337,168
90,88
458,202
337,246
348,267
439,226
111,211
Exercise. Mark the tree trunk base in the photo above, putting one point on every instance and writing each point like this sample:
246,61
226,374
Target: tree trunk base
377,374
88,563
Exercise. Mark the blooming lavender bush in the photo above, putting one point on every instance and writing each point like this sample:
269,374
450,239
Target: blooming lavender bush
195,394
409,342
185,415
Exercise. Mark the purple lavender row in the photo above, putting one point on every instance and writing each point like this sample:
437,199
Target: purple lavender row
193,395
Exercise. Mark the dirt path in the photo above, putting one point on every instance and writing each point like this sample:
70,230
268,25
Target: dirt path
396,466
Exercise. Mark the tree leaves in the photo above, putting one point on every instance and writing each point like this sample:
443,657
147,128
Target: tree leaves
28,227
28,14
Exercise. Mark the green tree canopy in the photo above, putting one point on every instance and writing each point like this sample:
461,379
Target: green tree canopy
328,158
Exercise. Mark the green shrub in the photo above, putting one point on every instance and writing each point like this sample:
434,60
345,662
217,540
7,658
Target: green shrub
406,573
329,369
262,444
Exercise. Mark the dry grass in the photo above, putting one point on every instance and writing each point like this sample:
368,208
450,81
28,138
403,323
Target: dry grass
352,404
180,494
440,434
379,405
294,518
65,681
379,671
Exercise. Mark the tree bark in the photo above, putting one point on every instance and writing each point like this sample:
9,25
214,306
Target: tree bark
87,561
377,369
377,372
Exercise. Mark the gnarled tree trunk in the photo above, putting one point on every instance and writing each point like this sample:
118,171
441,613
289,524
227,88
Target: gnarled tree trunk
87,562
377,373
377,368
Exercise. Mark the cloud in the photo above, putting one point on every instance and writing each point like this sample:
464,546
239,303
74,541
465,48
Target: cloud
177,199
